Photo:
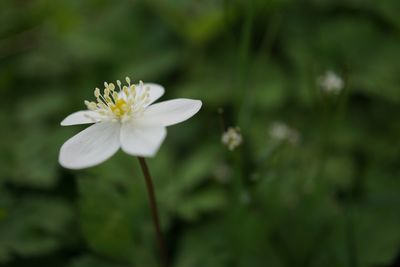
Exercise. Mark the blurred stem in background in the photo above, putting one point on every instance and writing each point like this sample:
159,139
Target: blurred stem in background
350,235
154,211
333,112
245,94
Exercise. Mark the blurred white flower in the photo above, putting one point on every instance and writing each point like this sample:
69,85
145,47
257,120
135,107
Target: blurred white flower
331,83
281,132
245,198
254,177
123,118
223,173
232,138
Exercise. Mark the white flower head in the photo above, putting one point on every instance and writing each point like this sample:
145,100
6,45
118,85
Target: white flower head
331,83
281,132
123,117
232,138
245,198
223,173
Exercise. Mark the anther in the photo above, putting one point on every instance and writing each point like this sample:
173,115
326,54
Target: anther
115,96
108,99
126,91
97,92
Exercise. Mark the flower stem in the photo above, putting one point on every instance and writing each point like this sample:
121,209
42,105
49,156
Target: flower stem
154,212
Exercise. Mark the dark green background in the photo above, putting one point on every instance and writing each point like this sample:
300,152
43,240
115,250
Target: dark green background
333,199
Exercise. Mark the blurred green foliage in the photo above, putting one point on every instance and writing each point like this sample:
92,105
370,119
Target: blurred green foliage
330,199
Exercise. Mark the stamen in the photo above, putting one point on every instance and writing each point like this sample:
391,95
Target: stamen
97,92
90,105
133,91
108,99
115,96
102,105
126,91
119,106
111,86
101,99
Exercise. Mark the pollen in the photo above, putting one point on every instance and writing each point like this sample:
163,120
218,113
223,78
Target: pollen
120,103
120,107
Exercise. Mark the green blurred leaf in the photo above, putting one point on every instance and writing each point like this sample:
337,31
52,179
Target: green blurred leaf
106,221
92,261
36,226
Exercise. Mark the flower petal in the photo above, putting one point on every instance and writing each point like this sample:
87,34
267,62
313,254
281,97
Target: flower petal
141,140
81,117
170,112
155,91
90,147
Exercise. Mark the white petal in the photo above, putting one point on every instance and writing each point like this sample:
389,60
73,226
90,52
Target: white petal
170,112
92,146
81,117
139,140
155,92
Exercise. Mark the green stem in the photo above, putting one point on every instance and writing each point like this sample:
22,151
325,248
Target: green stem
243,68
154,211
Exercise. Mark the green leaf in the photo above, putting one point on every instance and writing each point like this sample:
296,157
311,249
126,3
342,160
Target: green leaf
92,261
106,220
35,226
200,203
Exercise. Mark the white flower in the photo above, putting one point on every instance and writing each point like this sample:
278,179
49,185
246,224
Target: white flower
232,138
331,83
245,198
223,173
282,132
123,118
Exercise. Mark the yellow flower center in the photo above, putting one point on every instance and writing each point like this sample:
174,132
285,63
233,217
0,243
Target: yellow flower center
120,107
122,103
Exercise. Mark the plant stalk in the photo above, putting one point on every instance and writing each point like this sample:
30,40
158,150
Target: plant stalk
154,211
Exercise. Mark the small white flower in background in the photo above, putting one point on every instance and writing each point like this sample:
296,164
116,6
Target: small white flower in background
125,118
245,198
223,173
254,177
280,131
232,138
331,83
